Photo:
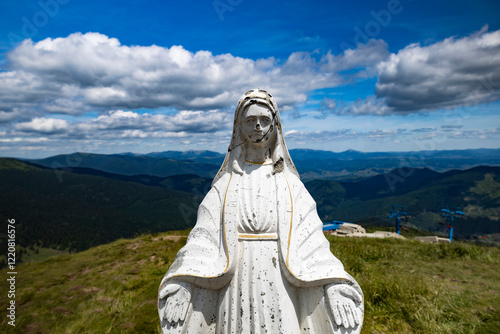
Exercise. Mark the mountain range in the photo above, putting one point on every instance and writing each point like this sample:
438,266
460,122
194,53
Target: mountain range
311,164
78,207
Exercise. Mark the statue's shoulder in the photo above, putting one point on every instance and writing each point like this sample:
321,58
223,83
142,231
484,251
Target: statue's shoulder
220,186
294,183
299,190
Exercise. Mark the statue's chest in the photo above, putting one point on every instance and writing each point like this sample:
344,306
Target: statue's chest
257,200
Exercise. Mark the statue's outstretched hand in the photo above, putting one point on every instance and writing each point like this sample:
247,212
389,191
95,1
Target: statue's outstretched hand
345,304
178,298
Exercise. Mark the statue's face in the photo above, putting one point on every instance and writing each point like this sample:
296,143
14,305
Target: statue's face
257,123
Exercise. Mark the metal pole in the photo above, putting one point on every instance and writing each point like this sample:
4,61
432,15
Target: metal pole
451,229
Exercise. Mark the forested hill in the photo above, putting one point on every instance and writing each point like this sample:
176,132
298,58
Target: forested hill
424,193
81,207
76,211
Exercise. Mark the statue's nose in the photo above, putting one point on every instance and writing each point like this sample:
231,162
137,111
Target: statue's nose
257,125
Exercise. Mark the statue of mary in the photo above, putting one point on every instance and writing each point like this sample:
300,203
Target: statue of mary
257,260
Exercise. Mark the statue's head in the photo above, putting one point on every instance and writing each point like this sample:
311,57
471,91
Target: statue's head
257,123
256,119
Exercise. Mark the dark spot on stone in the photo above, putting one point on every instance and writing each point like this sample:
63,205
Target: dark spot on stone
278,166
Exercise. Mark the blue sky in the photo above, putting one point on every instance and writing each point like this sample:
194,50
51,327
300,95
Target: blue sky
142,76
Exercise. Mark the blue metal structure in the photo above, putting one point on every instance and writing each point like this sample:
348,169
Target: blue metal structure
332,225
452,214
396,212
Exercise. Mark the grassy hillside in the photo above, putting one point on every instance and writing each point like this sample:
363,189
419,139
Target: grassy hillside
409,287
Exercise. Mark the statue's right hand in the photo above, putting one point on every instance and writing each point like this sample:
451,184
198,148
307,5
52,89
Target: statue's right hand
178,298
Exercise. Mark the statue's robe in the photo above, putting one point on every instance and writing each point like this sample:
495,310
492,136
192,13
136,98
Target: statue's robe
208,260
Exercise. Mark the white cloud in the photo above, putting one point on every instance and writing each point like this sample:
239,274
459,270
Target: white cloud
191,121
475,134
451,73
368,106
365,56
129,124
342,134
435,135
92,71
43,125
23,140
449,127
9,116
72,106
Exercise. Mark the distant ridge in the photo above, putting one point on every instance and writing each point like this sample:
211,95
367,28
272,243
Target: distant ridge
302,154
311,164
179,155
127,164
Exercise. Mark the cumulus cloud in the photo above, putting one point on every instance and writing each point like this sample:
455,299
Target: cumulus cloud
6,117
366,56
455,72
475,134
190,121
367,106
424,130
92,71
43,125
24,140
129,124
343,134
435,135
449,127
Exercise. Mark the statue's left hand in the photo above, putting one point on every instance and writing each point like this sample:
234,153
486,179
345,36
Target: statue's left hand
178,298
345,304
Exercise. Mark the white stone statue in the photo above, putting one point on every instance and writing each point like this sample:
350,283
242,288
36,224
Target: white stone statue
257,260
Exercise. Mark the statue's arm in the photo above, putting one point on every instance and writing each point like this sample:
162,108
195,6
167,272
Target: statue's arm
310,257
202,246
320,267
175,292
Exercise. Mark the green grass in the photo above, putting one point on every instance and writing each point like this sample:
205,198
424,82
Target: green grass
40,254
409,287
487,186
10,163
